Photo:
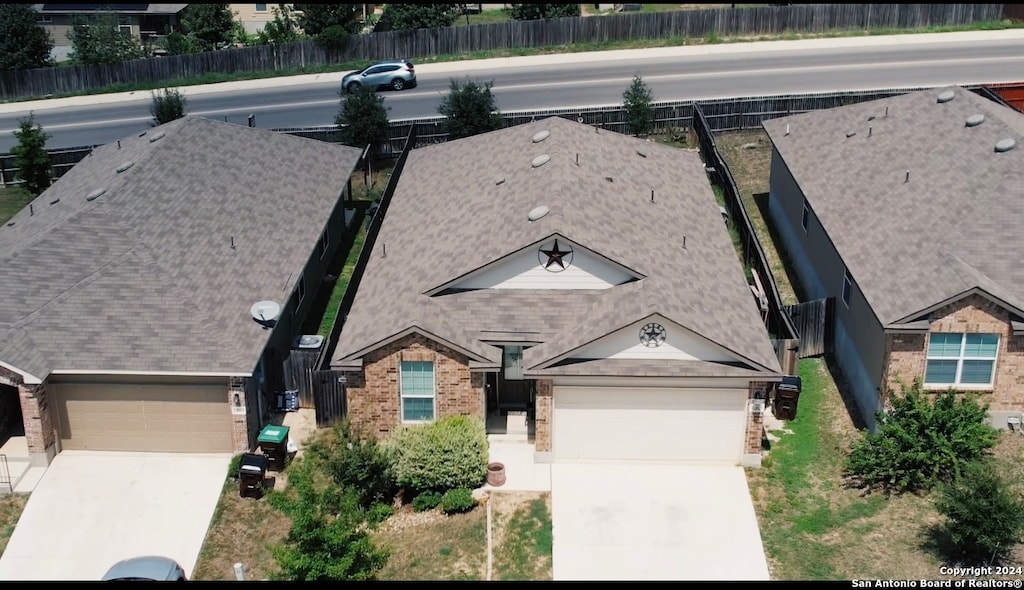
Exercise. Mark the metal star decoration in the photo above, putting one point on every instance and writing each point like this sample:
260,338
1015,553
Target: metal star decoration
556,256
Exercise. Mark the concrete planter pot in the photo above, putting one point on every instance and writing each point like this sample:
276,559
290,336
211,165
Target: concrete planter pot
496,474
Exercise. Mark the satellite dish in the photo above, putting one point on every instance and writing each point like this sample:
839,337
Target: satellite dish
265,312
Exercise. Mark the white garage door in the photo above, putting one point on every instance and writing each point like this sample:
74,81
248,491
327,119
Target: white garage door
648,424
188,418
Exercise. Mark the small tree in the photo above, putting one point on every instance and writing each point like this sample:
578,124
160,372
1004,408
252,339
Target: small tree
168,104
210,25
283,29
330,25
918,443
470,109
23,43
541,11
363,118
30,155
98,39
638,102
404,17
357,463
984,517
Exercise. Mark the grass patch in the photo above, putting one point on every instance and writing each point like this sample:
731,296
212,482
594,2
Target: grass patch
485,17
523,547
11,507
341,285
432,546
12,200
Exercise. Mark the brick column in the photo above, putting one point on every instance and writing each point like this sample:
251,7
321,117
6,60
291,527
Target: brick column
542,424
239,416
40,431
758,390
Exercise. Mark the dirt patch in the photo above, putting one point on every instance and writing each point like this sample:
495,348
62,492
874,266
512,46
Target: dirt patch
432,546
521,535
11,507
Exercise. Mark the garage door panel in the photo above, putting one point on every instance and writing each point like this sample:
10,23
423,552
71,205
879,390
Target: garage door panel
648,424
134,417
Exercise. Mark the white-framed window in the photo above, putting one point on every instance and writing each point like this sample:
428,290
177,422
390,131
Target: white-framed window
261,8
325,241
124,29
958,359
847,287
417,391
44,19
804,216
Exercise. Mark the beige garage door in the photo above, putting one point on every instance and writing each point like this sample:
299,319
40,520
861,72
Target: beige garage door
144,417
648,424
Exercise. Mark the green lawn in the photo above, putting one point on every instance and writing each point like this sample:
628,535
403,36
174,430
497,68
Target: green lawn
12,200
487,17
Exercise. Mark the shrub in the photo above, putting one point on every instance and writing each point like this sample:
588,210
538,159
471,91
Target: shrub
426,501
233,466
447,454
378,513
984,518
358,464
919,443
168,104
457,501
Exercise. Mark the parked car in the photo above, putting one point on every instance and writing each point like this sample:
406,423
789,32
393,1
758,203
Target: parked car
396,74
148,568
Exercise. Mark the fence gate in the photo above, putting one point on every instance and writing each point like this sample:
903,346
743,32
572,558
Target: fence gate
296,374
328,396
813,322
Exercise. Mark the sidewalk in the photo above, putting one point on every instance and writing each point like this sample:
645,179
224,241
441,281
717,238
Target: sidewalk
430,69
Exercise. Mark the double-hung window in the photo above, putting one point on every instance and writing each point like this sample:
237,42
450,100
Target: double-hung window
417,390
964,360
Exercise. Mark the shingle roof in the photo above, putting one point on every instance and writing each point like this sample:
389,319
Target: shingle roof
450,215
910,244
118,8
144,277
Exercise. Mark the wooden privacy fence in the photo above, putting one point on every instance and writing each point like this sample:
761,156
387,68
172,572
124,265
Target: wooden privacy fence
328,396
296,374
504,36
813,321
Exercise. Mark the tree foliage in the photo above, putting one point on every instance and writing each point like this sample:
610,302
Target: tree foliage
30,155
920,443
283,28
984,517
329,25
363,118
97,39
443,455
539,11
357,463
404,17
23,43
168,104
470,109
209,25
638,101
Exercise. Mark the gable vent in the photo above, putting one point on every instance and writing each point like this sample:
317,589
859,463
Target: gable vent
541,136
975,120
125,166
95,194
156,136
1005,145
538,212
946,96
540,160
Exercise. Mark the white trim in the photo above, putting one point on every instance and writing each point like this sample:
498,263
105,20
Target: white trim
27,377
847,282
432,396
153,373
960,363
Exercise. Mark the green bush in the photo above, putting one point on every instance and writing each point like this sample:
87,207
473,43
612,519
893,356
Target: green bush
233,466
984,518
426,501
378,513
457,501
358,464
919,444
447,454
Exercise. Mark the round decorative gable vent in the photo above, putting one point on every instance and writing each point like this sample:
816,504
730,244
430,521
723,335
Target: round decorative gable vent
541,136
540,160
975,120
946,96
538,212
1005,145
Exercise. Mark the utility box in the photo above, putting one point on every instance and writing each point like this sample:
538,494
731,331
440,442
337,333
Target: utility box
273,440
787,394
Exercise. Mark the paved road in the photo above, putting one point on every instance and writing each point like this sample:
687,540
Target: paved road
584,79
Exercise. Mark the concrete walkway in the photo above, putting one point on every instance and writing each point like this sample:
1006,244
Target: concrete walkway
542,60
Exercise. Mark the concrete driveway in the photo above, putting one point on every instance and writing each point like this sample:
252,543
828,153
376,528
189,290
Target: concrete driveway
615,521
92,509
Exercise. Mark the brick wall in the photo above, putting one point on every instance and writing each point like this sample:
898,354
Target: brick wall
755,421
906,354
542,422
372,395
40,432
239,416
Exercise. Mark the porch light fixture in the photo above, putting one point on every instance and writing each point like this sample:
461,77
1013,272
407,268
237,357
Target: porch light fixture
237,400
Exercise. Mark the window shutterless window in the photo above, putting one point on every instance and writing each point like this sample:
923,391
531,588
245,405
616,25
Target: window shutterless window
261,8
847,287
301,291
805,215
417,391
956,359
325,241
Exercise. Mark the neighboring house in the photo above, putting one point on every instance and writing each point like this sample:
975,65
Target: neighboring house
581,276
145,22
907,210
128,287
254,17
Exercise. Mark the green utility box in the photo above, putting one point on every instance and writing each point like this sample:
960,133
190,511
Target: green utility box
273,439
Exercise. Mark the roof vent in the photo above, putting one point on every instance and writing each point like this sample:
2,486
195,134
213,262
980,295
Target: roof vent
541,136
156,136
55,201
95,194
641,153
946,96
540,160
500,181
975,120
1005,145
125,166
538,212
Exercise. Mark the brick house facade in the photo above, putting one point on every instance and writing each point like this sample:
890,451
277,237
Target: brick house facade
906,354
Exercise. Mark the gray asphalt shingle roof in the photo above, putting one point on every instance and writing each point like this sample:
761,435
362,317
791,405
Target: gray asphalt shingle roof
144,277
463,204
910,245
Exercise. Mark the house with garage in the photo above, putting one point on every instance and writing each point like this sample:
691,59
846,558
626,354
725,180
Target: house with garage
151,293
146,23
906,210
579,276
